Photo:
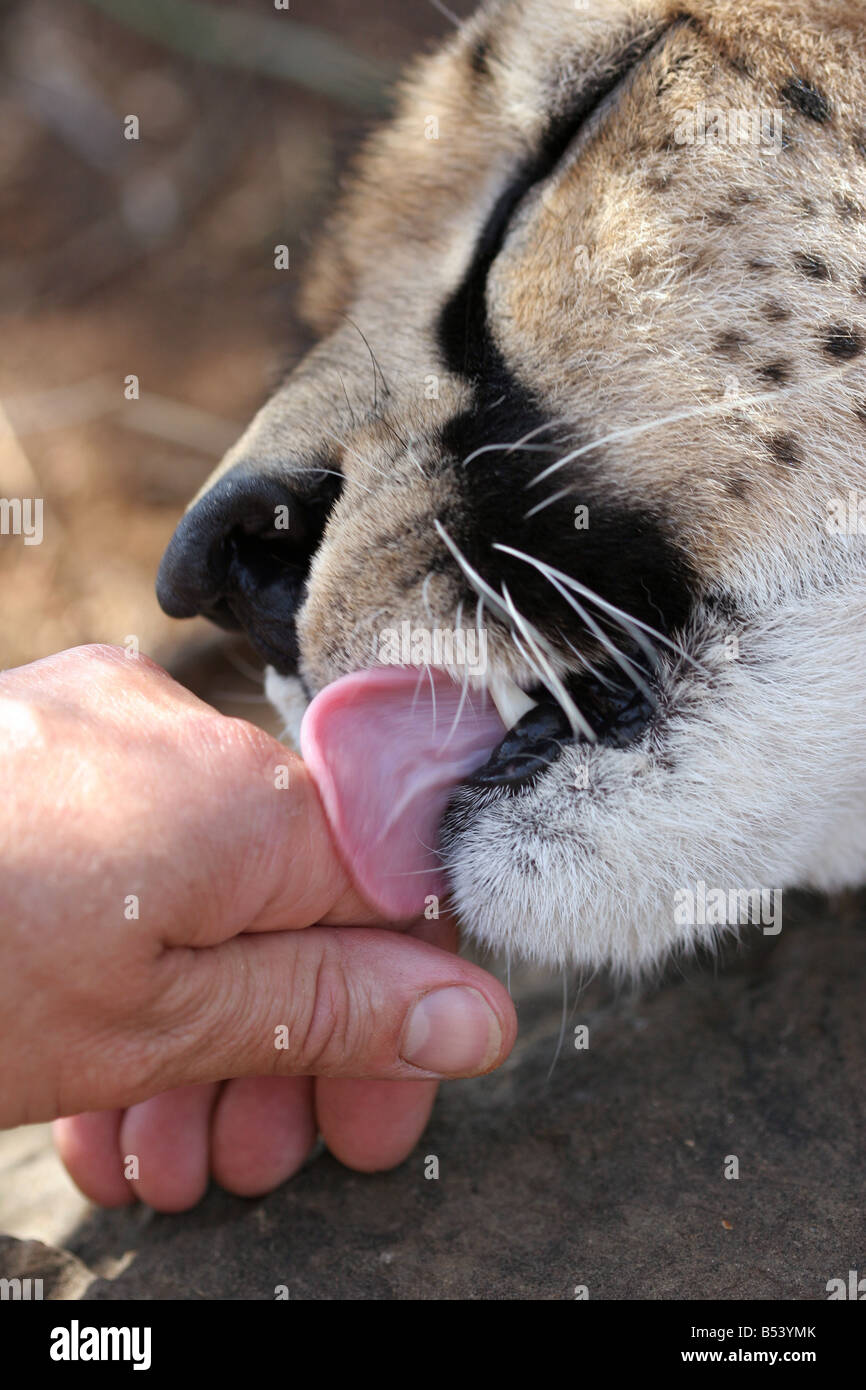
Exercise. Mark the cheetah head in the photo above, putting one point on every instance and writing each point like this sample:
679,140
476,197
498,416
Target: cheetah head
590,385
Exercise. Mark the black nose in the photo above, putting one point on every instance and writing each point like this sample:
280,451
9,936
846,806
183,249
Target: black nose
241,555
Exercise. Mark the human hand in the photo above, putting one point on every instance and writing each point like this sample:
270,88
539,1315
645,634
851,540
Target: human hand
168,915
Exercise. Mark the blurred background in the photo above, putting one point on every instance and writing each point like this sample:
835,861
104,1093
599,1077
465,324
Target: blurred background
154,257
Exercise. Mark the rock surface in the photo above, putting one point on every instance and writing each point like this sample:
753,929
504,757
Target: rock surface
609,1174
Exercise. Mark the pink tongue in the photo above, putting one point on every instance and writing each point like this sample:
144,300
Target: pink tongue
385,756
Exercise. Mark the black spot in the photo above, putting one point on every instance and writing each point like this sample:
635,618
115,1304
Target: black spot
720,217
740,197
738,488
669,76
784,450
843,343
724,605
657,183
806,99
775,312
858,140
862,283
808,207
730,343
777,373
478,56
848,207
813,267
860,411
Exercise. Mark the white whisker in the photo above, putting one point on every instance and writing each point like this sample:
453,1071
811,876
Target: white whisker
522,443
598,632
533,637
424,599
548,502
552,681
529,659
481,586
562,1024
590,666
557,578
428,668
449,14
624,619
253,674
418,684
465,689
720,407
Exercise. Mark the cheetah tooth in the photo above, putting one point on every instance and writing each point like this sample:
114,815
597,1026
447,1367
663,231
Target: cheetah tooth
511,702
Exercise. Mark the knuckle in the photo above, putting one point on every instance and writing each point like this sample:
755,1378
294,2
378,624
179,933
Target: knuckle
98,652
197,1015
329,1025
114,661
252,745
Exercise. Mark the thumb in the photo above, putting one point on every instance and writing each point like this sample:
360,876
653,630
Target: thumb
324,1002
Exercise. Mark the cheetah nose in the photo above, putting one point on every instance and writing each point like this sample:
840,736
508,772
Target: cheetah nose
240,557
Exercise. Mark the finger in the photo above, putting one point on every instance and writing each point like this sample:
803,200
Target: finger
251,817
274,858
165,1141
325,1002
89,1147
262,1130
301,876
372,1125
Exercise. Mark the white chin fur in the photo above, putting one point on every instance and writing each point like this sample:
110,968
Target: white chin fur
756,780
286,694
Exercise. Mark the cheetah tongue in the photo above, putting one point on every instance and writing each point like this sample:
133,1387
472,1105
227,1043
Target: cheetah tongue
386,750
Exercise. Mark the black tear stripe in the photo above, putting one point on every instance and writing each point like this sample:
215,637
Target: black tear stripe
626,554
463,332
